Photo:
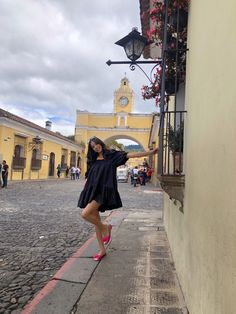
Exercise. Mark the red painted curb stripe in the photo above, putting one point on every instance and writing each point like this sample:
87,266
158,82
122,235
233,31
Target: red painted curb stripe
51,284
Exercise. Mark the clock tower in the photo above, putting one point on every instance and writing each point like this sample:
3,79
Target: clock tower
124,97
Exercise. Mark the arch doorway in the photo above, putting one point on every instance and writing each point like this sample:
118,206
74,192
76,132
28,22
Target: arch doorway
51,165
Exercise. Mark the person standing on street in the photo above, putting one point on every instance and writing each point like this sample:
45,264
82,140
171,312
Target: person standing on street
100,191
59,171
77,173
67,171
4,173
72,173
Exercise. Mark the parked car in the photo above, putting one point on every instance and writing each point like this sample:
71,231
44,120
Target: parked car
122,174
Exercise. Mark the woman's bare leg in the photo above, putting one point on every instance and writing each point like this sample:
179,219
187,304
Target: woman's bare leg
91,214
99,235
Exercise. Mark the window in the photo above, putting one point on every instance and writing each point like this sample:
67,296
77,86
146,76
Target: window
64,159
18,158
72,159
36,160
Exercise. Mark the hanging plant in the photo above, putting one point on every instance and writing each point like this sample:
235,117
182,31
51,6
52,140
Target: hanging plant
175,42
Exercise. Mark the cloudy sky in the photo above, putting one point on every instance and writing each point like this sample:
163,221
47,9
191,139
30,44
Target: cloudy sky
53,57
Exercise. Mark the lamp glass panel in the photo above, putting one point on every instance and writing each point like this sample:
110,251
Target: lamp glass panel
138,47
129,49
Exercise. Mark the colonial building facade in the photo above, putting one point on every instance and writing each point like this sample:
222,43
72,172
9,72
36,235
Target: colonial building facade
34,152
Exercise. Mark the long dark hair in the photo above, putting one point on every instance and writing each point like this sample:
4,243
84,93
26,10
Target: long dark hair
92,155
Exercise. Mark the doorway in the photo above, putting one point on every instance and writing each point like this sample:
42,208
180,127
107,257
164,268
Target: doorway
51,165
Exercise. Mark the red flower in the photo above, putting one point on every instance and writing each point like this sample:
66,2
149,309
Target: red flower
153,11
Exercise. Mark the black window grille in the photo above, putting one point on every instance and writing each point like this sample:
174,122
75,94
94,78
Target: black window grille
19,160
173,143
36,162
171,131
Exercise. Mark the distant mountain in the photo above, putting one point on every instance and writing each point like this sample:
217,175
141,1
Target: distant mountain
132,148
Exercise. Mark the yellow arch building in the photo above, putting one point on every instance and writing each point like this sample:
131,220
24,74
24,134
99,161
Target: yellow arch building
121,123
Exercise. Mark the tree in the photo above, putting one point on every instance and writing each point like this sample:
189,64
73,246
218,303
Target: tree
115,145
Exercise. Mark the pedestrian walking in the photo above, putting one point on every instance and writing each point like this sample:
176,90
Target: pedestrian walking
67,171
72,173
77,173
100,191
149,174
59,171
4,173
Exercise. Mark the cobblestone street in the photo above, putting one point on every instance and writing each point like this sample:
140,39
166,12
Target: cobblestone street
40,227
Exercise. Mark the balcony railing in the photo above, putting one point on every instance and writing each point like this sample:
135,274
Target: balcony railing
172,176
18,162
36,164
173,142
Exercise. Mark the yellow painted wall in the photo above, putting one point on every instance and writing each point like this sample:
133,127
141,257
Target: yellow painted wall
203,239
8,140
110,121
6,143
100,121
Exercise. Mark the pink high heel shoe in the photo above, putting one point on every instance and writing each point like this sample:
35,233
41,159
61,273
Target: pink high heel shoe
107,239
98,257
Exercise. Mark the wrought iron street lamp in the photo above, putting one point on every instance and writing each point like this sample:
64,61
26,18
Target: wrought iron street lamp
134,44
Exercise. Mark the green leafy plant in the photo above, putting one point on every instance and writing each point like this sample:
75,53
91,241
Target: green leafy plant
176,138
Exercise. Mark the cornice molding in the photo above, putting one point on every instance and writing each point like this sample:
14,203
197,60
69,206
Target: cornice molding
118,129
113,114
19,128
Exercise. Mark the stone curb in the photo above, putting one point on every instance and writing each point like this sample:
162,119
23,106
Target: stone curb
63,291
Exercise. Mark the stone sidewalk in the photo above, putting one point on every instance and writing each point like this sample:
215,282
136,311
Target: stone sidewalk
137,275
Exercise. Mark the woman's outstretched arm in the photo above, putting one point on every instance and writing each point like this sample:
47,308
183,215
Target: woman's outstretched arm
142,154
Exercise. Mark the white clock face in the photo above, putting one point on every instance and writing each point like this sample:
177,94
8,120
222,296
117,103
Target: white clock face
123,101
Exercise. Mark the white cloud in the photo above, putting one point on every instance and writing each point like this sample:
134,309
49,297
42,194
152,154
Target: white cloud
53,56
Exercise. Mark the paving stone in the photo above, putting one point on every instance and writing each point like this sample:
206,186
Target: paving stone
61,298
23,300
166,311
163,280
164,298
79,271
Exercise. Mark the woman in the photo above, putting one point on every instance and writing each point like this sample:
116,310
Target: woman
100,191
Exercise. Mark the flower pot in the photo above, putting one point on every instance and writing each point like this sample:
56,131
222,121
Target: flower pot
170,87
178,162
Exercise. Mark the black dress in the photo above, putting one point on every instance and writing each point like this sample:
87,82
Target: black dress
101,184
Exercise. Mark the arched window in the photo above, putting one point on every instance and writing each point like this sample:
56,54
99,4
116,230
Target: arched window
72,159
79,161
35,161
63,159
35,154
19,151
